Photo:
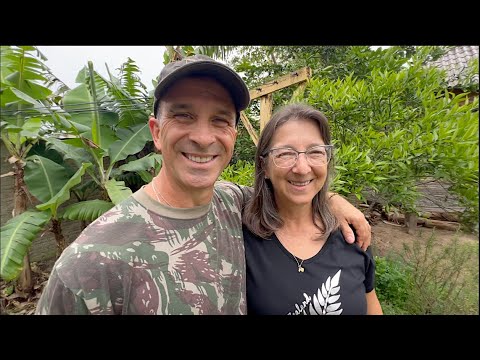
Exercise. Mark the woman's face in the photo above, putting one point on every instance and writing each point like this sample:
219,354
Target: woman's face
298,184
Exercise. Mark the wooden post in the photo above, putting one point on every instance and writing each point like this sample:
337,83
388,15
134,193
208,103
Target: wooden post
294,77
249,127
266,107
264,92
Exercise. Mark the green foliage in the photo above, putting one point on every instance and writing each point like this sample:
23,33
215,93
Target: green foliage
444,279
241,173
63,194
25,100
394,128
44,177
86,210
468,78
244,147
429,278
16,237
130,79
392,284
117,191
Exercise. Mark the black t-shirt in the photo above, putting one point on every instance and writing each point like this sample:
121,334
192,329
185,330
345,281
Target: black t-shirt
334,281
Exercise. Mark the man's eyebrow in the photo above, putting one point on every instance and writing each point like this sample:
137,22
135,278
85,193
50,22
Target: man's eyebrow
177,107
225,112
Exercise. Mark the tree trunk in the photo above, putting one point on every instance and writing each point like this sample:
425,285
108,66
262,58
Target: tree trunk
411,222
24,283
60,239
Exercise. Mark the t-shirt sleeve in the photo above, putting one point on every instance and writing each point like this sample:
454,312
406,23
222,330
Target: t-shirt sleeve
247,193
244,193
369,271
57,299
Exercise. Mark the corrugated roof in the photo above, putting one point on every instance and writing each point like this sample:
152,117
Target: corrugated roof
455,62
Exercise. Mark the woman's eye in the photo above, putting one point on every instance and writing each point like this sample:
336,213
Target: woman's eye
286,154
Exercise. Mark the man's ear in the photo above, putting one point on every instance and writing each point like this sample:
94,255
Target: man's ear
155,130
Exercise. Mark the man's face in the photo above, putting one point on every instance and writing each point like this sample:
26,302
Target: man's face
195,132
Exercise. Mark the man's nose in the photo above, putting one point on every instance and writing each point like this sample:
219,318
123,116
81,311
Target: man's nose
202,134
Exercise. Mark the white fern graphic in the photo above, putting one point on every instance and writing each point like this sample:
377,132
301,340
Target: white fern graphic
324,302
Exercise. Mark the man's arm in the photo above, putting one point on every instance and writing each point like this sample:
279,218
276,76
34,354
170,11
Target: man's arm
57,299
347,214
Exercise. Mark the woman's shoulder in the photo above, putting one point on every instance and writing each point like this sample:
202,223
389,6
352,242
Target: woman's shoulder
336,237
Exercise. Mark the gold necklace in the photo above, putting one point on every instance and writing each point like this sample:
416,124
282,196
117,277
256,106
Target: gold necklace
157,195
300,267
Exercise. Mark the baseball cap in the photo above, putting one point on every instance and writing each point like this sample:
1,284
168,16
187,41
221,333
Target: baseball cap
202,65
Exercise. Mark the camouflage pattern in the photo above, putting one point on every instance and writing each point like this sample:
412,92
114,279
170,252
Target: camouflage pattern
141,257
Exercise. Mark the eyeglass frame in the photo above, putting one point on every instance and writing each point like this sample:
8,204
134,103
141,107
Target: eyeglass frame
298,155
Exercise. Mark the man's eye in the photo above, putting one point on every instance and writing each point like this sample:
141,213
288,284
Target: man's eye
221,122
182,116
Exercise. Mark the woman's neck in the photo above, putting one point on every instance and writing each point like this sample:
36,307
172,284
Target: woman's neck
296,217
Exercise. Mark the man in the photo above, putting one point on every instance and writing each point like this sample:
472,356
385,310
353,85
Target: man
175,246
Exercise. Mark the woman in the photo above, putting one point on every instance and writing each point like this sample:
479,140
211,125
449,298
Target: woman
297,259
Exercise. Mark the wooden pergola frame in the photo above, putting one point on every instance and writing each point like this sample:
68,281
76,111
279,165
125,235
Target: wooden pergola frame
265,91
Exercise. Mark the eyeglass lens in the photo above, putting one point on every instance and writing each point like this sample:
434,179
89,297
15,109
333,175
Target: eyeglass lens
288,157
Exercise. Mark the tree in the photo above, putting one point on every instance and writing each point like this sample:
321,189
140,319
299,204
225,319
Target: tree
26,114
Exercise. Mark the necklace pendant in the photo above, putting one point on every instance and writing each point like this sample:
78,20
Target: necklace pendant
301,269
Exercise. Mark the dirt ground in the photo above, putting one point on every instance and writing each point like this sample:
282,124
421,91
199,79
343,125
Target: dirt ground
386,238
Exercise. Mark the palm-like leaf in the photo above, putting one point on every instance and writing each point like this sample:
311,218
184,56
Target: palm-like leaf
130,79
87,210
117,191
131,141
16,237
219,52
148,162
127,96
70,149
64,193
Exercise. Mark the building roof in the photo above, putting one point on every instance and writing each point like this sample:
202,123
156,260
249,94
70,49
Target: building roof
455,62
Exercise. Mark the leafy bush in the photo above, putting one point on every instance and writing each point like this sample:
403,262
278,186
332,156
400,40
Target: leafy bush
241,173
444,279
392,284
426,278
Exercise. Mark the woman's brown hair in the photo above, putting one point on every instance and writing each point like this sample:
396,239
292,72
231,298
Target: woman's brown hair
261,214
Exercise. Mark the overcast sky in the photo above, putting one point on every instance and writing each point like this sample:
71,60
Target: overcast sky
66,61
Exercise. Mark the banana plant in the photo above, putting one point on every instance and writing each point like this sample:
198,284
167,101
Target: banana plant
18,234
179,52
25,114
108,121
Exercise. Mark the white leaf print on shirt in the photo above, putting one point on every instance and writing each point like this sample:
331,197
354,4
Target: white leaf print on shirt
324,302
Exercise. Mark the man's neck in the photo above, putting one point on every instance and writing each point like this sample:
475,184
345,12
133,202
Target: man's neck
177,196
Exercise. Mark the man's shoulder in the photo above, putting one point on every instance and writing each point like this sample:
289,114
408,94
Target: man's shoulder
123,218
244,192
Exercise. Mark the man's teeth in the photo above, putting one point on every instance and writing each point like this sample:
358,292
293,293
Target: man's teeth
199,159
296,183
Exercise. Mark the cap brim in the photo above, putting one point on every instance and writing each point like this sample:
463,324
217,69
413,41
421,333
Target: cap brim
226,76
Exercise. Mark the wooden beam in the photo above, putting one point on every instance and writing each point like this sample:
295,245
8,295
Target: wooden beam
249,127
295,77
266,107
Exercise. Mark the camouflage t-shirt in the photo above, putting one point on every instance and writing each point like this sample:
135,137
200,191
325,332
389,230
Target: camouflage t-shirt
142,257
